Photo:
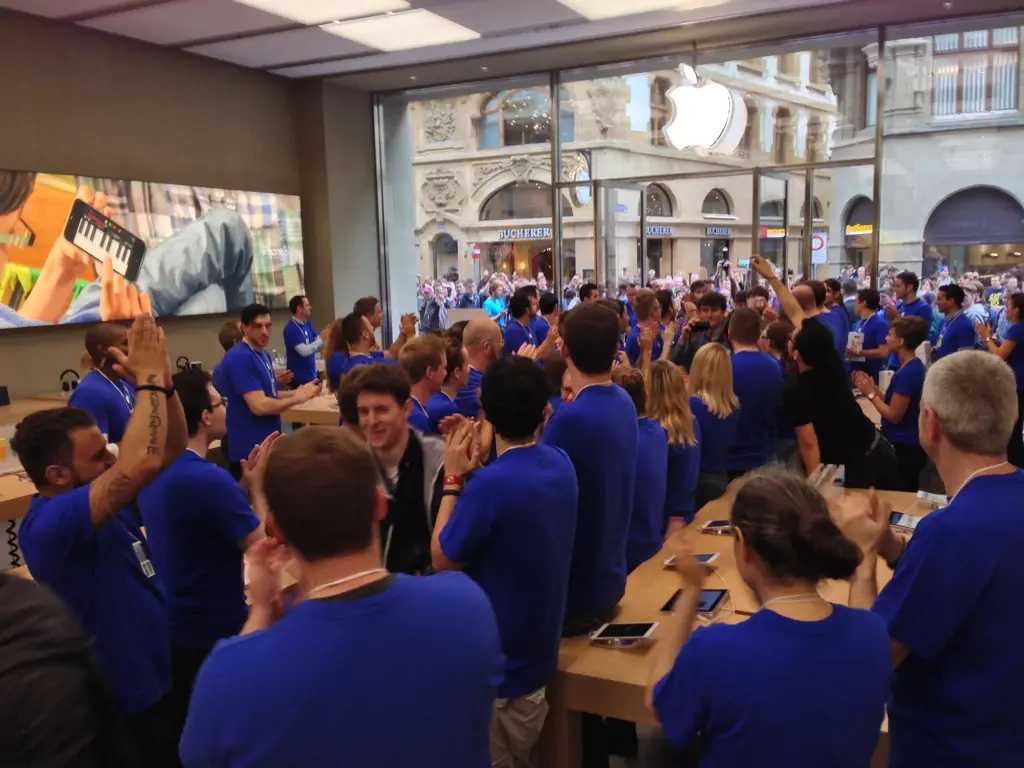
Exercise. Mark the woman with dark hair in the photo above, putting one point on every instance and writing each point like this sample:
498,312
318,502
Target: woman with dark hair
802,682
1011,350
775,342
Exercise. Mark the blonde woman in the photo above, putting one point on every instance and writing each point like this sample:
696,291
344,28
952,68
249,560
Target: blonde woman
716,409
668,404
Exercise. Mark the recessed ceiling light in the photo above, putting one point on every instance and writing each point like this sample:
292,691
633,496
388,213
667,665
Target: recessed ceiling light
416,28
319,11
412,77
947,5
611,9
483,69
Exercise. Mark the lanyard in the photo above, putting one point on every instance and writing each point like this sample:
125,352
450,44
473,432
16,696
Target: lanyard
261,356
128,400
305,330
422,407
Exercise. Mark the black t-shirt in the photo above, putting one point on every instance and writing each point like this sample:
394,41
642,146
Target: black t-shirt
405,532
823,398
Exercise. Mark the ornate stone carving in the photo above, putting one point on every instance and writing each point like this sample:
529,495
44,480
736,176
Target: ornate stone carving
439,122
605,101
482,172
441,192
521,165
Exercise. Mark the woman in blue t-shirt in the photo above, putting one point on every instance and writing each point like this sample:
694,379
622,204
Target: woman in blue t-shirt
668,405
901,405
716,409
802,683
1012,351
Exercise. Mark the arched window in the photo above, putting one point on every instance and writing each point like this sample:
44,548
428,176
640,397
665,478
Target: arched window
661,110
658,201
521,200
519,117
446,254
771,209
716,204
816,210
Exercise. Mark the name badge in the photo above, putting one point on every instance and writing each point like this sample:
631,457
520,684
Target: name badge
140,555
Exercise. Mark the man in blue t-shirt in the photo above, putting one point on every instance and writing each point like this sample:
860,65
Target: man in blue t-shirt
377,669
103,392
301,342
874,350
198,523
482,341
255,403
549,310
956,331
757,383
519,330
648,314
908,303
598,430
958,686
425,363
522,502
81,538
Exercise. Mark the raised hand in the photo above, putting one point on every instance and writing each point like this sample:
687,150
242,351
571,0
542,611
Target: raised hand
693,571
646,339
284,378
984,331
118,300
764,267
147,349
864,520
254,467
266,561
461,452
864,383
528,351
407,324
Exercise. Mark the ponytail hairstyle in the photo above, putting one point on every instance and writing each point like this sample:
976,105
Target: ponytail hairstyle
785,521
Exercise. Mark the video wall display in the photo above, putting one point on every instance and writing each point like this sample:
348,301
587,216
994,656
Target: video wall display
75,249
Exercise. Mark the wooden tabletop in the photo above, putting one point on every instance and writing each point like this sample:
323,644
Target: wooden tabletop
321,410
22,407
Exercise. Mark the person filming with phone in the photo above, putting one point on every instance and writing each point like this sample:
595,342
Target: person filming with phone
708,327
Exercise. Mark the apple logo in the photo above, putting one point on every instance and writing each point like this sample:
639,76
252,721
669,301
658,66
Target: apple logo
706,116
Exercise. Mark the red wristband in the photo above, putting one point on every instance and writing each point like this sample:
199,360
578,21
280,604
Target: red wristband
453,480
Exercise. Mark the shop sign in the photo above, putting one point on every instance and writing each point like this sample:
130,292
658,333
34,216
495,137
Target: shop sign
772,233
718,231
853,230
659,231
527,233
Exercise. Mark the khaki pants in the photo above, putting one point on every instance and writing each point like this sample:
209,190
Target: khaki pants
515,730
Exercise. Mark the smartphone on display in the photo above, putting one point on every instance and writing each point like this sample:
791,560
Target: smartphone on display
707,559
904,521
710,602
103,238
717,527
623,635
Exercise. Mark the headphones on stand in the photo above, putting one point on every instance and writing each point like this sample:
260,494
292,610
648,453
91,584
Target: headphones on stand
183,363
67,383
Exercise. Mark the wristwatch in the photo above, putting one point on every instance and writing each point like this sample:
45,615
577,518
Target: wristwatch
872,396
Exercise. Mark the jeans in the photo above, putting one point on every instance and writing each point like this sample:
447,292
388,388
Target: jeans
911,461
877,468
203,268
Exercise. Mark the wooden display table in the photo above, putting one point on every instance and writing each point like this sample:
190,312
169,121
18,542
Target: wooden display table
613,683
322,410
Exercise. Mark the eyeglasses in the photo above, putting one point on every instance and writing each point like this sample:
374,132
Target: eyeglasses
23,236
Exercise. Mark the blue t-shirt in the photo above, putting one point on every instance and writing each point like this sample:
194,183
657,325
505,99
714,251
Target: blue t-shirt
440,407
245,370
757,382
683,471
716,435
875,329
1015,333
842,322
516,335
196,516
468,398
633,346
220,379
598,430
954,602
98,574
647,522
494,309
773,691
296,333
402,677
918,307
837,327
512,529
110,402
907,381
954,334
540,327
341,363
419,419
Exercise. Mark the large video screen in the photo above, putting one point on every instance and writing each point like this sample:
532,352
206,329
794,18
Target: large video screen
75,249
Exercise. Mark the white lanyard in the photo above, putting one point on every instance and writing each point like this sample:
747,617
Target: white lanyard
345,580
304,329
422,407
124,395
269,368
974,475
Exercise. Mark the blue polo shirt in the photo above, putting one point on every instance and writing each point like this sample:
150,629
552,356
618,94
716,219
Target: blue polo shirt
110,403
419,419
341,363
918,307
716,435
957,698
837,327
598,430
633,346
955,333
875,329
468,398
246,370
512,529
1015,333
540,327
842,325
296,333
400,677
683,472
909,382
757,691
757,382
97,573
516,335
440,407
196,516
647,522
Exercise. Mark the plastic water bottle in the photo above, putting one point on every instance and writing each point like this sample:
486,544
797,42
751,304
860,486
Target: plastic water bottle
277,359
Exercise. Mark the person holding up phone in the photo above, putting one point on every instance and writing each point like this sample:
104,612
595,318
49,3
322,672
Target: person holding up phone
755,691
106,395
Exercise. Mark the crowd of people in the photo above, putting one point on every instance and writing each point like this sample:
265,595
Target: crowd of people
488,490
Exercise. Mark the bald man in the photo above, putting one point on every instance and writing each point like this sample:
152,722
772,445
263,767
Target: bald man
103,393
482,342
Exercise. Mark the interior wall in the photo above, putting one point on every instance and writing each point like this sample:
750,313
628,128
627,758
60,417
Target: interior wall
82,102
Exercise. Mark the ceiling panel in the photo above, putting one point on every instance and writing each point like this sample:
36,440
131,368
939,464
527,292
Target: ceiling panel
188,21
495,18
297,45
55,9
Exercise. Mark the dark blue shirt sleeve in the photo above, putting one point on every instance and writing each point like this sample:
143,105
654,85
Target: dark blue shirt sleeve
64,525
680,698
469,526
683,470
633,348
927,600
89,400
233,519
